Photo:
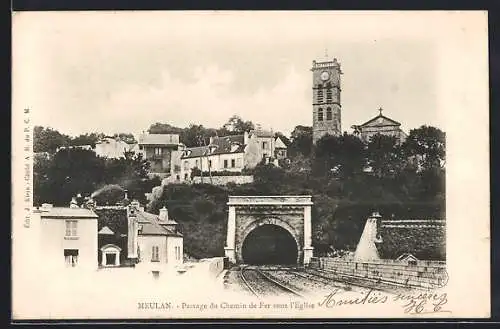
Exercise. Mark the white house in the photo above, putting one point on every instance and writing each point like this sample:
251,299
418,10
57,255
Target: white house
231,153
160,245
110,147
68,236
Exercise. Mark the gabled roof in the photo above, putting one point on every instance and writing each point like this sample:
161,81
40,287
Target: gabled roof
387,121
159,139
106,231
149,224
219,145
279,143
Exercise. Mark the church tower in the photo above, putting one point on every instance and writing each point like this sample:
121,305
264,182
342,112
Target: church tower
326,99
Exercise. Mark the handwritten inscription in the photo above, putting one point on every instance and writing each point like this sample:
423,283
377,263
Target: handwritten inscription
412,303
333,299
422,303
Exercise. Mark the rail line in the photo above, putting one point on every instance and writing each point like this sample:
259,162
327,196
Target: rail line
261,284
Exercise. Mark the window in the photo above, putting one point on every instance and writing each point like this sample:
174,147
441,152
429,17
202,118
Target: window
233,163
196,164
156,274
186,165
71,257
185,176
320,114
71,228
209,163
155,257
264,145
225,163
328,95
328,114
157,151
320,95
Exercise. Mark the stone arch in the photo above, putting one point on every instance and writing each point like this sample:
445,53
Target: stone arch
289,213
270,221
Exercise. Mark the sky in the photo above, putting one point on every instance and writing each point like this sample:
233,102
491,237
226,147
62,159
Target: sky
120,72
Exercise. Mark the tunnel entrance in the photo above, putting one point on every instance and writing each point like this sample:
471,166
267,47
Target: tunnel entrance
269,244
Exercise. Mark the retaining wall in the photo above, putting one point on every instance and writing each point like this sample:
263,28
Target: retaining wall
224,180
422,274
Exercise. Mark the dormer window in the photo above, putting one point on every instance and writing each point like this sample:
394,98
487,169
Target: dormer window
234,147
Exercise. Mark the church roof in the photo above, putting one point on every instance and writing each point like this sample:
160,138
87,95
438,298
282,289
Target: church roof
385,121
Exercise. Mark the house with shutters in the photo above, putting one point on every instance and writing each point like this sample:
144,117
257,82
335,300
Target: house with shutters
231,154
157,149
67,236
379,125
128,236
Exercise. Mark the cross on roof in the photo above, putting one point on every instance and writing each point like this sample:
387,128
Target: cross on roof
380,110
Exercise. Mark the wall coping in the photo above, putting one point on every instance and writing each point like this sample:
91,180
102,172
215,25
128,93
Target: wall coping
264,200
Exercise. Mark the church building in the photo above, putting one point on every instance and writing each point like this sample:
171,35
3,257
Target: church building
379,125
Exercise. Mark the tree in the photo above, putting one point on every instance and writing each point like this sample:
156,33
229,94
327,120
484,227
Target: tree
68,172
164,128
426,145
343,156
48,139
384,156
235,125
87,139
126,137
301,141
109,195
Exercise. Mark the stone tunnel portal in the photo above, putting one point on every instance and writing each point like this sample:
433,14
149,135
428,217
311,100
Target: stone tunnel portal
269,229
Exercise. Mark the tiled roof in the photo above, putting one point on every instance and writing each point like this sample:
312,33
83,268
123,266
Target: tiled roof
150,225
159,139
220,145
64,212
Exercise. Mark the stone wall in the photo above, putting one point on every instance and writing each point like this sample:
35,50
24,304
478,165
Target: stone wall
424,239
214,266
224,180
422,274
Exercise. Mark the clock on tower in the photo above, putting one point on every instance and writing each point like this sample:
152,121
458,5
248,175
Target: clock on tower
326,99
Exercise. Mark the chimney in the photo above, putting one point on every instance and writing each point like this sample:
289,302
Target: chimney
211,140
126,194
163,217
133,231
245,137
73,203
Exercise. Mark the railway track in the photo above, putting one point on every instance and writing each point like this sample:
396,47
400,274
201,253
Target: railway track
261,284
